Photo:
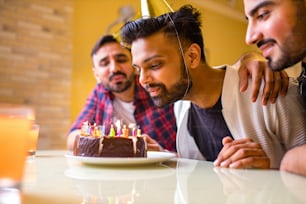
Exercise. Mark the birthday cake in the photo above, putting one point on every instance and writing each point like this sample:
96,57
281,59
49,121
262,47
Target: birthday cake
93,142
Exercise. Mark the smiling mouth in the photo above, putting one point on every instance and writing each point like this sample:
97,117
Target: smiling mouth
266,46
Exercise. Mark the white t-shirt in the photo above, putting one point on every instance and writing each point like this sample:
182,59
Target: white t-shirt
123,111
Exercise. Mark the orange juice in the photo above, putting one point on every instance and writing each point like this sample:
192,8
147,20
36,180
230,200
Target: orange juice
14,130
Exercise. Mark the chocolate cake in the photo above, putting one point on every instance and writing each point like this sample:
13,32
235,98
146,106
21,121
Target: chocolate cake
106,146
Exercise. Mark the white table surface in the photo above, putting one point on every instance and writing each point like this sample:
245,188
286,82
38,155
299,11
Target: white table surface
52,178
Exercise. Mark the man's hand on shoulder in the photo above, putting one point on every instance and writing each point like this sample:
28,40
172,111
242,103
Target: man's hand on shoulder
253,65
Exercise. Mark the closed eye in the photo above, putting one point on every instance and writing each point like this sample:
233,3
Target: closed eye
103,62
263,15
155,66
122,59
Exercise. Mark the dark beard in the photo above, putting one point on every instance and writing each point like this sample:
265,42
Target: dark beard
294,47
176,92
286,59
120,86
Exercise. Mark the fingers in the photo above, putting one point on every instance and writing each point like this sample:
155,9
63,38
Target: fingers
284,83
226,140
249,66
229,148
243,79
260,162
275,83
270,89
243,153
257,69
247,158
152,145
256,75
276,88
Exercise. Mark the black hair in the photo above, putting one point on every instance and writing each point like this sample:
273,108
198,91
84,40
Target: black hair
184,23
102,41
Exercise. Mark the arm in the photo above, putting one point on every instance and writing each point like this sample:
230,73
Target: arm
71,137
254,65
87,114
242,153
272,129
295,160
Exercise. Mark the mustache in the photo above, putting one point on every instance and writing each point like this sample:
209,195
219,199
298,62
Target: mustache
116,74
262,42
146,87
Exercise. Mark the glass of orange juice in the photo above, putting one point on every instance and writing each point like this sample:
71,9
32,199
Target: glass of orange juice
32,140
15,124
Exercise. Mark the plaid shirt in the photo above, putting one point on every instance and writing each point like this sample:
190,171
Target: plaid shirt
159,123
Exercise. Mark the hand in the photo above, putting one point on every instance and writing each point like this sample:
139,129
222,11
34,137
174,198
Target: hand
242,153
255,66
152,145
71,137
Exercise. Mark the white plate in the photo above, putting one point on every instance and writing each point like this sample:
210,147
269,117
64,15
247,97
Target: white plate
152,157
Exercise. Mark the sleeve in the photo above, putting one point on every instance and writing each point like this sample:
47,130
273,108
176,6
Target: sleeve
291,116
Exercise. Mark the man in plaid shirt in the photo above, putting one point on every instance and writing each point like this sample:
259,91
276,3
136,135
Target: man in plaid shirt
119,96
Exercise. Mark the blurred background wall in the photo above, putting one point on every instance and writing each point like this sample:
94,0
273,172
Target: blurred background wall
36,41
45,51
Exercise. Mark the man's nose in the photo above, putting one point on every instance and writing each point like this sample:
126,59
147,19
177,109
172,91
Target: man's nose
252,35
114,66
144,78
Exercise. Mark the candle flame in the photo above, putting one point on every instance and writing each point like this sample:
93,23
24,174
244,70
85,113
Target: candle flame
118,123
132,125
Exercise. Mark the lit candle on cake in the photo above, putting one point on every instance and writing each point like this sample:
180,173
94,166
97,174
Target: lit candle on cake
85,130
133,127
92,129
125,131
112,132
138,131
102,130
118,127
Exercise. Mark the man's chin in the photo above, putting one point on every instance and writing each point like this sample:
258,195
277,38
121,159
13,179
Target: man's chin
277,66
159,103
119,88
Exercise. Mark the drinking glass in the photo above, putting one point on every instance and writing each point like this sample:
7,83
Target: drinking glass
15,123
33,138
10,196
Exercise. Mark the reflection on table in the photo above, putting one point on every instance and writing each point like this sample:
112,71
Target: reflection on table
123,184
51,178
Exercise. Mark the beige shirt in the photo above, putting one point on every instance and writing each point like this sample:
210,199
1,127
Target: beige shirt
277,127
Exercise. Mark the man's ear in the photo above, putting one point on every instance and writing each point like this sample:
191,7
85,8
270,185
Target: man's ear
95,73
135,71
194,55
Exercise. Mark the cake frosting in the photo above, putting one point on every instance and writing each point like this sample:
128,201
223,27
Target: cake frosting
92,142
